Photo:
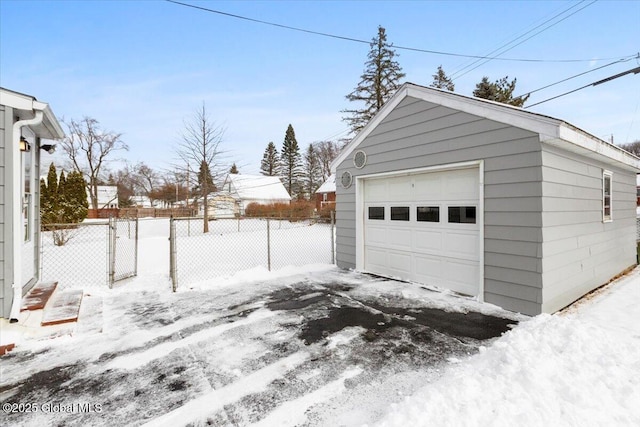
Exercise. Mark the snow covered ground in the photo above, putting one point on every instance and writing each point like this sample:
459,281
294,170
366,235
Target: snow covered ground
271,348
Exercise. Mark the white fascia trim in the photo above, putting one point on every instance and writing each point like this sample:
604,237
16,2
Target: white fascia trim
570,135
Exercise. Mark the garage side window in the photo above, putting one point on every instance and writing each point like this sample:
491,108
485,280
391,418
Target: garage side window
399,213
428,213
376,212
606,196
462,214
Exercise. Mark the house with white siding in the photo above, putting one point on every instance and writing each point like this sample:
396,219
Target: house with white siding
260,189
515,208
25,126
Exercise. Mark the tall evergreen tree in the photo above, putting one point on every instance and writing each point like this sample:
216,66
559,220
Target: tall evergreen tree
234,169
312,171
270,164
74,202
379,81
63,200
291,163
205,179
500,91
442,81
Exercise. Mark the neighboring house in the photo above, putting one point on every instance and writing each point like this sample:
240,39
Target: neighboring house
326,193
518,209
247,189
107,202
221,205
24,125
107,196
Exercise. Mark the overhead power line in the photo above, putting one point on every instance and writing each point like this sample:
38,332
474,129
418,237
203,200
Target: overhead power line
599,82
484,61
577,75
351,39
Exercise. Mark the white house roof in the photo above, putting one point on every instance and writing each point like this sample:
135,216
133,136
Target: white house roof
49,128
329,186
551,130
258,187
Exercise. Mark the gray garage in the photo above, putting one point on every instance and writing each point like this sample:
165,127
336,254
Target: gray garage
518,209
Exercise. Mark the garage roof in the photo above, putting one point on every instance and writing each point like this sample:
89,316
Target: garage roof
551,130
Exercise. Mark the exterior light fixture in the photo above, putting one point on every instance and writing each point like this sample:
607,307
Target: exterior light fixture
49,148
24,144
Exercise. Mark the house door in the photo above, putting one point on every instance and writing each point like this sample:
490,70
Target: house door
28,176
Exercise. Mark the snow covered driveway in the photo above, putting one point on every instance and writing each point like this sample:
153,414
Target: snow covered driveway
312,346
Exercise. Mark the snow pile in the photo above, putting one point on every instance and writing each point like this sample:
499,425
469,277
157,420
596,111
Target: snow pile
579,369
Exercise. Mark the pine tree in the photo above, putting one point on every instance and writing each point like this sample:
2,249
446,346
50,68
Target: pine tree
270,164
205,179
291,163
380,80
312,171
442,81
76,203
234,169
499,91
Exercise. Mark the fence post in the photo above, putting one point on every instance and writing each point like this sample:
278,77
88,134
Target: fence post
135,265
112,251
172,254
268,245
333,243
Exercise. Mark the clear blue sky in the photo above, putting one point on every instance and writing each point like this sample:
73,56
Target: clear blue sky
142,67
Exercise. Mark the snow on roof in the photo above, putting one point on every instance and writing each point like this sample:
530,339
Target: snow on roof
258,187
328,186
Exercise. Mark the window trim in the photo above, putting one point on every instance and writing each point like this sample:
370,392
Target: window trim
607,175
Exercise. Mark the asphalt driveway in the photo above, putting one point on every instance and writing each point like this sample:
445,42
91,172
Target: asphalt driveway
323,349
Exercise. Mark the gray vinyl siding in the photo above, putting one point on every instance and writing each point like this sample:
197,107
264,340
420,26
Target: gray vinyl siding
581,252
419,134
5,295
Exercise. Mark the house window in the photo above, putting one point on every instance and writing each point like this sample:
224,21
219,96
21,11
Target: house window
462,214
27,197
376,212
399,213
606,196
428,213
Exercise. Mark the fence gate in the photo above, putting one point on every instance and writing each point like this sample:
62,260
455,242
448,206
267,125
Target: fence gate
123,249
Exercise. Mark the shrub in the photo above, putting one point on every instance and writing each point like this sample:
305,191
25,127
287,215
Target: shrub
293,210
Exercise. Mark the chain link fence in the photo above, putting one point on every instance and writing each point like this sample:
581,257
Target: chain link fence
87,254
123,249
233,245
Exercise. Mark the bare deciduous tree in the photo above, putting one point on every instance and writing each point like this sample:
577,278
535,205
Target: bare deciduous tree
200,147
326,151
88,148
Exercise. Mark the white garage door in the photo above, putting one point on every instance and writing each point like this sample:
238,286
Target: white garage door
424,228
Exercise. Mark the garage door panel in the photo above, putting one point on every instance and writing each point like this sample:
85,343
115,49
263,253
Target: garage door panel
375,191
376,235
376,258
399,238
399,189
428,187
429,268
461,244
458,185
400,263
428,241
432,250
